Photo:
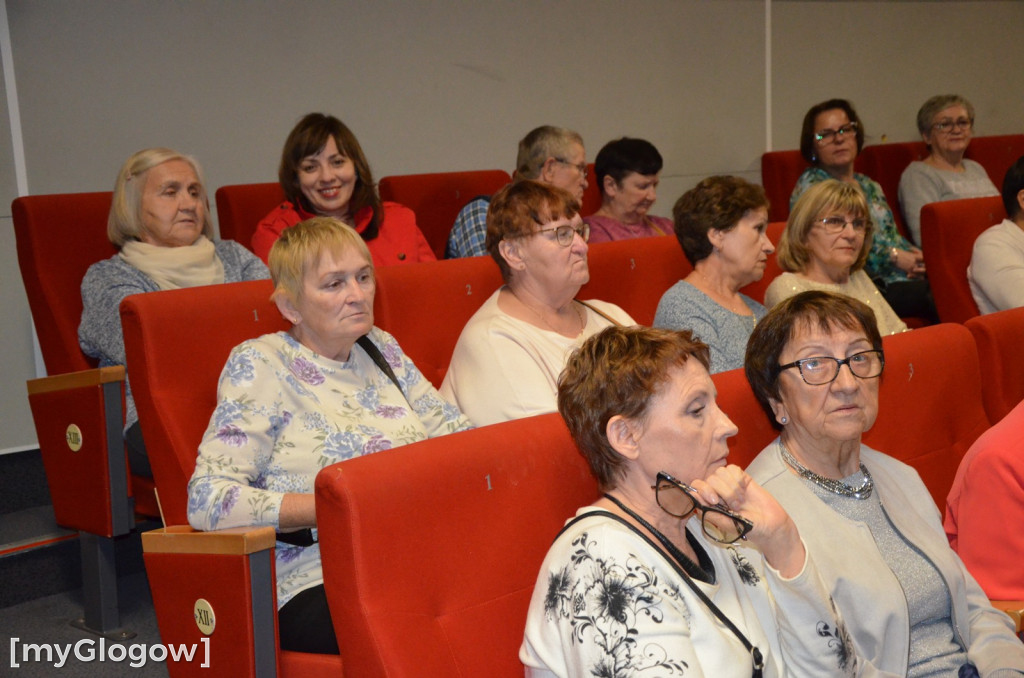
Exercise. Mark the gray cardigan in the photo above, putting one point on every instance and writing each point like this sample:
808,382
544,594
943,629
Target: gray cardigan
865,589
109,281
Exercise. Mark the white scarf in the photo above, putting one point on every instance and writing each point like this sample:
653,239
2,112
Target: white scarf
175,267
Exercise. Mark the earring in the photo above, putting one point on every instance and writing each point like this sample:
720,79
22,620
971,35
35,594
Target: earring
784,421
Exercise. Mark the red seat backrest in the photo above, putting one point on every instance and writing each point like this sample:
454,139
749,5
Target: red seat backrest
241,207
780,171
998,338
756,289
736,399
431,551
930,403
591,200
996,154
885,164
948,232
426,306
437,198
58,238
634,273
176,343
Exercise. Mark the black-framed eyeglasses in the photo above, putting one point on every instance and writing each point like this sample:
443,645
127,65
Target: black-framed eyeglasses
581,167
947,126
834,225
680,500
565,233
828,135
821,370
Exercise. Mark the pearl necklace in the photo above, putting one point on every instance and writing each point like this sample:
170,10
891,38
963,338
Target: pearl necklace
829,484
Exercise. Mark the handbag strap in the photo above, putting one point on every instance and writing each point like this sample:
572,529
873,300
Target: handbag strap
598,311
676,560
378,359
305,537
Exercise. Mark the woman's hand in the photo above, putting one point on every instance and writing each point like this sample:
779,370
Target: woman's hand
910,262
298,511
774,534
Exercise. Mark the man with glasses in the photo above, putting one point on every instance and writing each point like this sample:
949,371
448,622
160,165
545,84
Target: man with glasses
548,154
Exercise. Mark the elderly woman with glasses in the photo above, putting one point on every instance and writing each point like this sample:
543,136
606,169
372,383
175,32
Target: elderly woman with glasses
945,123
831,138
824,247
508,357
685,566
869,522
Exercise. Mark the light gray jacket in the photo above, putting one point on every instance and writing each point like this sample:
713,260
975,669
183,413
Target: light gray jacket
866,591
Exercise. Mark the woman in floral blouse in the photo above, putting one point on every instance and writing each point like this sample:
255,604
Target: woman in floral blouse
647,580
331,388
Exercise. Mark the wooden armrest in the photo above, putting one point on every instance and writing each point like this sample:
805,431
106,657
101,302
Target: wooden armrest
230,541
63,382
1014,608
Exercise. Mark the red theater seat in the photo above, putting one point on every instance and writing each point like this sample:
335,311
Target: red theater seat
930,405
998,338
58,238
437,198
177,343
241,207
948,232
780,171
885,164
633,274
431,551
996,154
426,306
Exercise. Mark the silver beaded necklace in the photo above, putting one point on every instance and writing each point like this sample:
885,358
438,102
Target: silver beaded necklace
834,486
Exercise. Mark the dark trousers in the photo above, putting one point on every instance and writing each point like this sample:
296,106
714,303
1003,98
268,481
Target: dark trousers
304,623
137,457
910,298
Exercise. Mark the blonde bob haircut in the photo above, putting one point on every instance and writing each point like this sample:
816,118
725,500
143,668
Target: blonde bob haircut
124,222
300,247
818,202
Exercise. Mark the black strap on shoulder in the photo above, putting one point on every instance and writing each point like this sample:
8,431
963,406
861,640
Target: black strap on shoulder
378,359
755,654
305,537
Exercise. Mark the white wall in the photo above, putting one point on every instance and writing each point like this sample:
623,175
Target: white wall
444,85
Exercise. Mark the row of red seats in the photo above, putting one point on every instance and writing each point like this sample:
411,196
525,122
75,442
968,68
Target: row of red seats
436,198
884,163
92,489
431,551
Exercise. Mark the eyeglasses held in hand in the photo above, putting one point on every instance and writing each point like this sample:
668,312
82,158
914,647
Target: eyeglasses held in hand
826,136
565,232
822,370
680,500
835,225
581,168
947,126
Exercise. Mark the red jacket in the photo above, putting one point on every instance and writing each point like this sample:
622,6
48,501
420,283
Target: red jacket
398,241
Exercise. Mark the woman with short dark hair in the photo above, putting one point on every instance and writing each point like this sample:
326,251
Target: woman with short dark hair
627,173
